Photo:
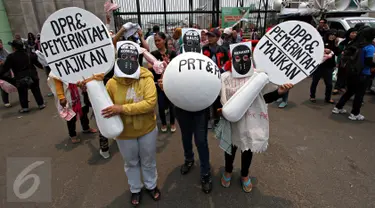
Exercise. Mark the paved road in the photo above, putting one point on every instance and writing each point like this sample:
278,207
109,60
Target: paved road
315,159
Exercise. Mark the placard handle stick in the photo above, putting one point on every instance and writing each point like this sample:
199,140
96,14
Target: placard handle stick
236,107
99,98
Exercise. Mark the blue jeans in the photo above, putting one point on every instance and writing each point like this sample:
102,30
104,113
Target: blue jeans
195,123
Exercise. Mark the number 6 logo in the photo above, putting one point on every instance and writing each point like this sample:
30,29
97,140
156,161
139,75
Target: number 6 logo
23,177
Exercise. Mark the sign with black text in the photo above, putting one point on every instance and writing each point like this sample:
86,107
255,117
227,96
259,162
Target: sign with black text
289,52
191,40
76,44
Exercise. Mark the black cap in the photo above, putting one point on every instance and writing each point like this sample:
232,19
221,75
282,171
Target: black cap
17,44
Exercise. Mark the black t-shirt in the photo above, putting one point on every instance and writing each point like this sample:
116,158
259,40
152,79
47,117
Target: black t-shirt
159,56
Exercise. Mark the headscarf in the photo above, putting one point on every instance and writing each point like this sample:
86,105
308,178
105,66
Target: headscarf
347,36
328,33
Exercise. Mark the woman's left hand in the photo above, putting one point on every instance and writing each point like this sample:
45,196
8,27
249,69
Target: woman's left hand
112,111
284,88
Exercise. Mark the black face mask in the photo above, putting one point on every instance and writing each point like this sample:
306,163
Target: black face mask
192,41
241,59
127,60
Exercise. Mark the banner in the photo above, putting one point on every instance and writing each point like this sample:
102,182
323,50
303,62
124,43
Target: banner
232,15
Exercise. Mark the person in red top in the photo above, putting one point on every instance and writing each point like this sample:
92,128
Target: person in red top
220,56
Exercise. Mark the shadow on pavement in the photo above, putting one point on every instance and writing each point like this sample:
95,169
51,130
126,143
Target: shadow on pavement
185,191
96,158
68,146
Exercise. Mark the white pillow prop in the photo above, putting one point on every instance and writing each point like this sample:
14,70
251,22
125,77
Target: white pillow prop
239,103
288,53
77,46
191,81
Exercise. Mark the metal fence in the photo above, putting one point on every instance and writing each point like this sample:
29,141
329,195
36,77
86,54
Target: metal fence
169,14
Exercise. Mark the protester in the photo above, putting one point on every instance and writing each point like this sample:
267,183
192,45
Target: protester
240,133
342,72
359,77
170,45
322,27
227,38
284,100
150,40
204,39
37,42
236,37
219,54
3,55
31,43
163,54
176,39
325,69
135,100
25,74
77,99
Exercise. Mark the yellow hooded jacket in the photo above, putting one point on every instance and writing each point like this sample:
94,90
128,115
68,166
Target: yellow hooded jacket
138,98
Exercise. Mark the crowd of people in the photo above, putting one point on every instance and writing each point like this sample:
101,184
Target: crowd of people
353,58
135,99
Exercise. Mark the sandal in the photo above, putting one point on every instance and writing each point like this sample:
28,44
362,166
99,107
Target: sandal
90,131
135,199
155,194
246,186
75,140
313,100
225,182
335,92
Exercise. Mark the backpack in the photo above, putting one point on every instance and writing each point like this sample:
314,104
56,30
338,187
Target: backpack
351,60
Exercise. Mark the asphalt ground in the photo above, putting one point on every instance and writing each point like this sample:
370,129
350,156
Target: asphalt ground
315,159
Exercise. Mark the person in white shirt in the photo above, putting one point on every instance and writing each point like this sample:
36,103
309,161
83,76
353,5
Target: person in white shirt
150,40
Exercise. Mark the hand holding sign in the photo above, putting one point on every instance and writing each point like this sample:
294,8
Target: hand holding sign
77,47
288,53
192,81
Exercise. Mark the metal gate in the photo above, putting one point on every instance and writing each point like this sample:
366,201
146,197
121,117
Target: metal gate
205,14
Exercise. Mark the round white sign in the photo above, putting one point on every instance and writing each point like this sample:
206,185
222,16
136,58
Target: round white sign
76,44
289,52
192,81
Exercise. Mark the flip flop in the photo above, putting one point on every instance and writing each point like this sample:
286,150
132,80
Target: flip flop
247,186
227,181
75,140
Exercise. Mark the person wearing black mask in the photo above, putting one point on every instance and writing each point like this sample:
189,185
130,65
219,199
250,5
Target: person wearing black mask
25,74
325,69
358,80
342,72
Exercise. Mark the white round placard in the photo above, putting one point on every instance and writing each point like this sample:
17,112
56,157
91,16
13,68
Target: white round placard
76,44
192,81
289,52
